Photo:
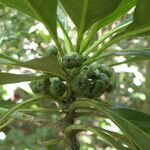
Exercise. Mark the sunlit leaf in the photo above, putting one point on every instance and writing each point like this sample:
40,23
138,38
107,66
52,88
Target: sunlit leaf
143,52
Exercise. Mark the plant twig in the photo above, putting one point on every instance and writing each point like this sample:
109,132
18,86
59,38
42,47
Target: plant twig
18,106
7,123
31,119
50,142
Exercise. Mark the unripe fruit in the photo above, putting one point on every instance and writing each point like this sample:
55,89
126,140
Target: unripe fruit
80,85
43,86
111,87
90,71
72,61
105,69
40,86
98,88
52,51
104,78
57,88
34,88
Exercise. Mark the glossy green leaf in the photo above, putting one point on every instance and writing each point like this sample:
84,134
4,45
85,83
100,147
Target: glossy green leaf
6,60
48,64
85,13
141,22
130,60
140,138
7,78
145,52
121,10
45,12
106,137
140,119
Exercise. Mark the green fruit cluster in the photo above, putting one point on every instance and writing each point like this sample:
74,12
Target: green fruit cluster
55,88
40,86
72,61
93,81
89,81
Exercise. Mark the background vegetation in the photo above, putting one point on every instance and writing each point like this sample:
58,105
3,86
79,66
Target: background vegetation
21,37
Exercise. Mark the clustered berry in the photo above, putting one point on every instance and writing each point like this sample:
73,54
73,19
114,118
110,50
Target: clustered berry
91,81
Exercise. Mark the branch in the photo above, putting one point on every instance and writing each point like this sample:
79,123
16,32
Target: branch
31,119
20,105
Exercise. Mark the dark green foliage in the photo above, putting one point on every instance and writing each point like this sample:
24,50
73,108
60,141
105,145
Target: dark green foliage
57,88
74,73
72,61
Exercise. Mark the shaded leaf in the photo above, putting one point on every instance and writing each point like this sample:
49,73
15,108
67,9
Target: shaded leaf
107,138
21,105
48,64
96,10
140,119
7,78
123,7
140,138
141,22
6,59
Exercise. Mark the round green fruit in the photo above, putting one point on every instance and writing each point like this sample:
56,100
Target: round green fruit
104,78
34,88
80,85
111,87
43,86
98,88
90,71
105,69
72,61
52,51
40,86
57,88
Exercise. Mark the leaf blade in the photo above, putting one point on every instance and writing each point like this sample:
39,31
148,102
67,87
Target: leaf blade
97,9
8,78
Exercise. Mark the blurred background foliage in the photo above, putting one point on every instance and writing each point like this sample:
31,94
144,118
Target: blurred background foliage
23,38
